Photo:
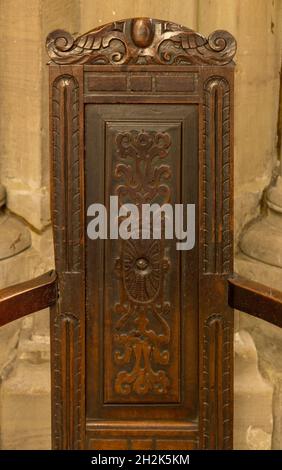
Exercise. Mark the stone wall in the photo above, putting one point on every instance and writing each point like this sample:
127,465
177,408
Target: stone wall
24,173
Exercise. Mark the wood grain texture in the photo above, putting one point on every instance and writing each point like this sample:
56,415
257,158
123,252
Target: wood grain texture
28,297
142,267
67,319
217,359
141,41
216,260
256,299
137,315
157,341
217,177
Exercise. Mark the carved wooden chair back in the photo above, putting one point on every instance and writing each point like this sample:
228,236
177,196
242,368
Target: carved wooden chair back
141,333
142,109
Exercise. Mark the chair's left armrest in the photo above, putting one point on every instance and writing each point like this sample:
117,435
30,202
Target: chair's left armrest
256,299
28,297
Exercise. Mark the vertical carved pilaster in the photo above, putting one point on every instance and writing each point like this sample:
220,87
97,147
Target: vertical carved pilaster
67,325
217,377
66,197
217,233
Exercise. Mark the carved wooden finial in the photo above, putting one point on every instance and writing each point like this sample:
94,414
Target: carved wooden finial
142,32
141,41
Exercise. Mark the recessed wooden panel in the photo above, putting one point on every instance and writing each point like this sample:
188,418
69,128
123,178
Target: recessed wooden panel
142,305
132,82
176,83
108,444
171,444
141,444
138,316
114,82
142,435
140,82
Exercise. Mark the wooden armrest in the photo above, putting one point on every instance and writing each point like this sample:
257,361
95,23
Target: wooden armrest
256,299
28,297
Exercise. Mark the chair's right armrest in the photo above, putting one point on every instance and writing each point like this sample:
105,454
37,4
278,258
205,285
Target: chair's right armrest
254,298
28,297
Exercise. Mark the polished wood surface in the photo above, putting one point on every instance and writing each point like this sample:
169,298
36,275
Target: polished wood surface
135,367
169,311
141,41
142,336
256,299
28,297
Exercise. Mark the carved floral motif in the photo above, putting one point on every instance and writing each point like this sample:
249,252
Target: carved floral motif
138,347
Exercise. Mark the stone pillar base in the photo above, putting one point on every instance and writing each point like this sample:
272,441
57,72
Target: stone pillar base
266,343
263,238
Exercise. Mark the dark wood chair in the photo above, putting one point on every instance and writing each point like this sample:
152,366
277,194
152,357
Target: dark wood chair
142,334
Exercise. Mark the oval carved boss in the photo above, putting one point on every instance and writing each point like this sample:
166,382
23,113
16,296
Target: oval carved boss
142,32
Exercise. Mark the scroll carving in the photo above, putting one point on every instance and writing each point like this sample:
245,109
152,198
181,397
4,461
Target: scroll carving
217,394
141,41
142,332
216,177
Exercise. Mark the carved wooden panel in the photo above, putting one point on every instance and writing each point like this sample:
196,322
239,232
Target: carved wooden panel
144,311
142,444
165,82
143,316
142,109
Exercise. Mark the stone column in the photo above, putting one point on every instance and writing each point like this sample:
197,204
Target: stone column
262,240
256,94
24,163
256,103
21,117
261,259
14,235
24,102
